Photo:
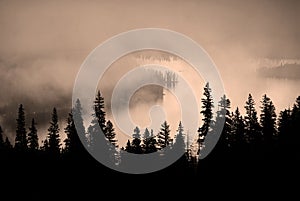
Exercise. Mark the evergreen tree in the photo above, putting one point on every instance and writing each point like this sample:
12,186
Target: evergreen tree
79,129
97,129
72,142
179,144
296,119
74,148
207,106
295,127
136,142
285,134
227,139
149,142
268,120
238,127
110,133
33,140
99,111
21,137
111,137
128,147
253,129
164,138
53,136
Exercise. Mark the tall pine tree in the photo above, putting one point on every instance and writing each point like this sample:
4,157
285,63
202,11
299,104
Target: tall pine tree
99,111
238,127
164,138
110,133
149,142
268,120
179,144
21,137
33,140
253,129
227,139
207,106
136,142
78,122
53,136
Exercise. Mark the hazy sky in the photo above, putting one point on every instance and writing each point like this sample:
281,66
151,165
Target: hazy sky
43,44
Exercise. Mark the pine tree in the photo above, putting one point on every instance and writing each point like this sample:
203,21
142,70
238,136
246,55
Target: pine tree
253,129
99,111
207,106
77,120
227,139
238,127
136,142
110,133
295,127
179,144
73,145
128,147
164,138
268,120
72,140
149,142
21,137
97,129
111,137
285,134
33,140
53,136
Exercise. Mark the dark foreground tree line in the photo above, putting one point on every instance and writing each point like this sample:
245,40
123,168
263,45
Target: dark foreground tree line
248,137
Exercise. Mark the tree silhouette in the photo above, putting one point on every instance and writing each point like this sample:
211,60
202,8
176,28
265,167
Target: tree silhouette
21,137
268,120
99,111
164,138
128,147
33,140
149,142
295,127
78,123
111,136
285,134
110,133
253,129
136,142
179,144
53,136
207,106
226,135
223,119
238,132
